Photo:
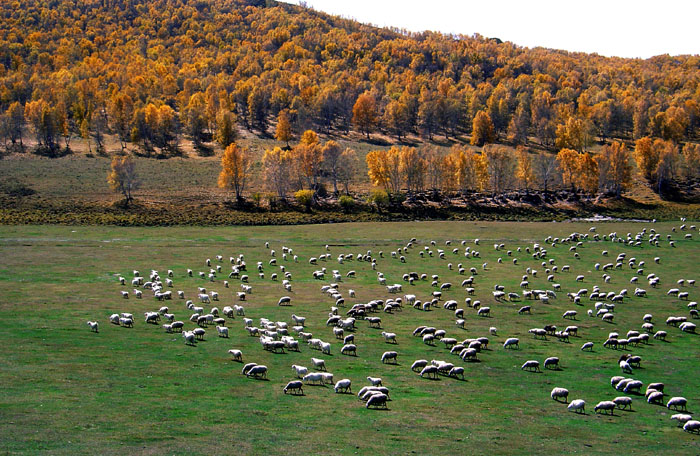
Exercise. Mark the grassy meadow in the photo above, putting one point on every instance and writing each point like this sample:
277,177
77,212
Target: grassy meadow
67,390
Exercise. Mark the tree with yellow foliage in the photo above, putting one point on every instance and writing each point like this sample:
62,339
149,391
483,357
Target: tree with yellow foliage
646,156
364,113
568,163
235,168
586,177
667,167
384,169
225,128
122,176
284,128
525,172
469,170
615,172
413,168
482,129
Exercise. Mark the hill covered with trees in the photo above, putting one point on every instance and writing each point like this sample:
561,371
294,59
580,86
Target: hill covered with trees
155,73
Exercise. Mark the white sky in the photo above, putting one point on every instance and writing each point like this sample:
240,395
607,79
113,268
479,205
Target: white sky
625,28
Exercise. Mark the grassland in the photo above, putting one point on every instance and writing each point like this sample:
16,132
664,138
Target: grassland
142,391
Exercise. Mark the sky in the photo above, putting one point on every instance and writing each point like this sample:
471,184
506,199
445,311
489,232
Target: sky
623,28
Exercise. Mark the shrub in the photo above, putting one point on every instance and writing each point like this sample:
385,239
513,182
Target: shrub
305,198
379,198
257,198
346,203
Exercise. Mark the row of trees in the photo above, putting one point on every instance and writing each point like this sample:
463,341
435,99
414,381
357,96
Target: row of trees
152,71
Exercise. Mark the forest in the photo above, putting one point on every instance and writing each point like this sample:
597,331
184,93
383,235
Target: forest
153,74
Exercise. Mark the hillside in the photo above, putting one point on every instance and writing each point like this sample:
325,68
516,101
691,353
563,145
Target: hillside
107,61
181,78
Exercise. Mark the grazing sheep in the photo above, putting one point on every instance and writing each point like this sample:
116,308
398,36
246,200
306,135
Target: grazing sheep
189,337
551,363
531,365
605,406
419,364
677,402
377,400
577,406
390,356
429,371
455,371
295,386
655,397
558,393
257,371
343,386
511,342
682,418
94,326
692,426
623,402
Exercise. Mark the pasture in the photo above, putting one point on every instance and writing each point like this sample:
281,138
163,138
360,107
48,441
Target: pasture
139,390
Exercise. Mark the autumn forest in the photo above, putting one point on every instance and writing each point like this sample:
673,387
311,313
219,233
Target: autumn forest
434,112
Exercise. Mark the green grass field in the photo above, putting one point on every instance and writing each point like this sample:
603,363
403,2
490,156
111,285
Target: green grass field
142,391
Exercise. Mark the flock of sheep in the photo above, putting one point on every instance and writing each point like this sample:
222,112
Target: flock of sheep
346,311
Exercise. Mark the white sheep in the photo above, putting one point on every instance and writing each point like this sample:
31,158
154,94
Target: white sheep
389,356
511,342
692,426
389,337
682,418
318,363
558,393
237,355
623,402
94,326
677,402
189,337
343,386
375,381
577,406
419,364
222,331
605,406
531,365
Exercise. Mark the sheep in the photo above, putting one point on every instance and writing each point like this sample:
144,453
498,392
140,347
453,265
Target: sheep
375,381
189,337
484,312
177,325
660,335
625,366
313,378
511,342
551,362
318,364
531,365
343,386
577,406
570,314
326,348
257,371
493,330
295,386
389,356
677,402
389,337
236,355
419,364
605,406
222,331
623,402
655,397
692,426
429,371
682,418
199,333
94,326
377,400
284,301
558,393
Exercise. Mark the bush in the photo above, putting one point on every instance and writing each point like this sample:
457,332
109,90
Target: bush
346,203
257,198
305,198
379,198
